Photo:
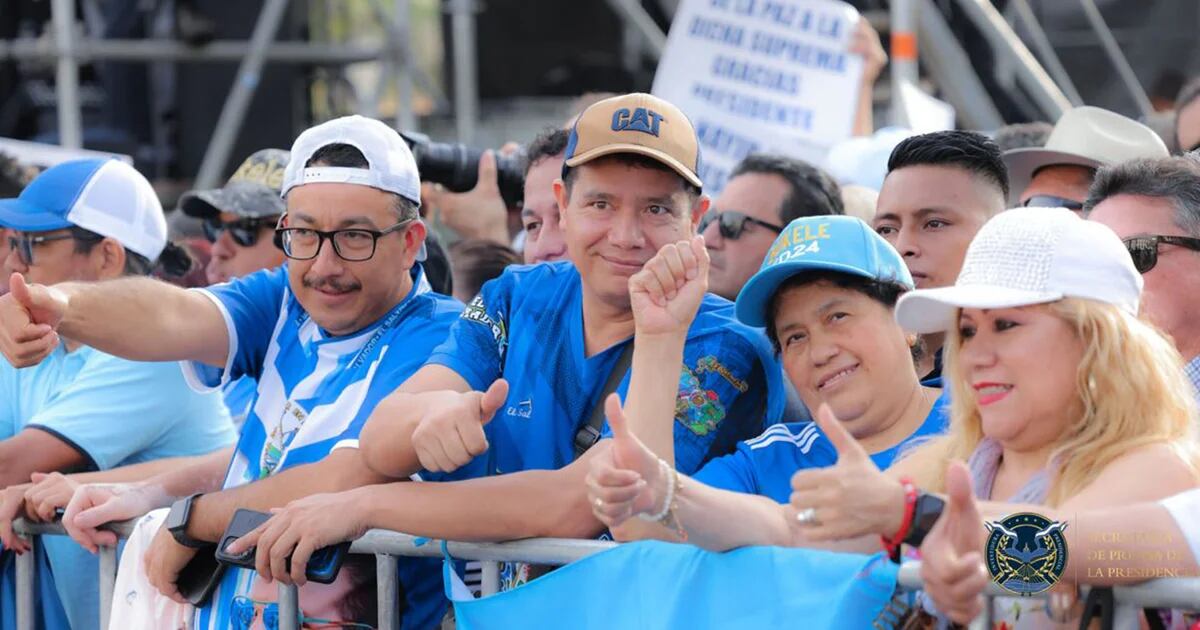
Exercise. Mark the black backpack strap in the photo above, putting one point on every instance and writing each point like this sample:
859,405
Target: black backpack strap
587,435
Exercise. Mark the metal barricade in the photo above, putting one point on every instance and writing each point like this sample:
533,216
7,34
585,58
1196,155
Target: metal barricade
26,612
388,547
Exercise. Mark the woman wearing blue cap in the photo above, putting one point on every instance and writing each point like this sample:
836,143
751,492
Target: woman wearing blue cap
825,294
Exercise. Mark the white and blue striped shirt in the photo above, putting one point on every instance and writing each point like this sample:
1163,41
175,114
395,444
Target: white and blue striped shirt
315,392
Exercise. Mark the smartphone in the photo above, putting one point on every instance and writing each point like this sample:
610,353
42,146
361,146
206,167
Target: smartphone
323,566
200,576
242,523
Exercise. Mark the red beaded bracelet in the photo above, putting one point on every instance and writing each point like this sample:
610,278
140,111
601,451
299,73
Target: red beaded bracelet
892,543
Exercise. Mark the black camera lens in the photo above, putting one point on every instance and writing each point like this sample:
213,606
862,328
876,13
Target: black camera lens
456,167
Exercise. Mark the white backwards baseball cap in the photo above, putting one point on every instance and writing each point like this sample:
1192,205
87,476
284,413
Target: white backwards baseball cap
1027,256
392,166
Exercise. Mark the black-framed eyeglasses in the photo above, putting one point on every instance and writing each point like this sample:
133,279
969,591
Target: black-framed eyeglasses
1053,201
353,245
24,243
732,223
1144,249
244,232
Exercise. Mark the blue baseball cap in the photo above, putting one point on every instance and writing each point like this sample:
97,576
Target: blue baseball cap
824,243
103,195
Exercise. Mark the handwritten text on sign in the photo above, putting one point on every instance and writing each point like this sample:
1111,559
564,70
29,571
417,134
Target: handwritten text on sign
761,75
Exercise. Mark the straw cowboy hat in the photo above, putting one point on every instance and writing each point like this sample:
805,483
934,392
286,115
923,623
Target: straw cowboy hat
1084,136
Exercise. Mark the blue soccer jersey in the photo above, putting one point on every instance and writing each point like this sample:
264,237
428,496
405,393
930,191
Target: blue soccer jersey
765,465
315,392
527,327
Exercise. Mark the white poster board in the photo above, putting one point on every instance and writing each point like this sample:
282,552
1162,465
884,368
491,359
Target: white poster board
761,75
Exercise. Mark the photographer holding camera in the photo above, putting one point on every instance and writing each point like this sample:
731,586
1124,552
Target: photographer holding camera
476,193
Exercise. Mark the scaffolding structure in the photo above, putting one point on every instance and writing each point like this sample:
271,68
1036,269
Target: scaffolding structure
69,48
1050,88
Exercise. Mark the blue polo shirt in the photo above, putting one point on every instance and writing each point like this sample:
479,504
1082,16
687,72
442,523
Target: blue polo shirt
115,412
527,327
765,465
315,393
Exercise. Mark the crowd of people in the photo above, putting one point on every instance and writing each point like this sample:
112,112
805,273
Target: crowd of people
796,362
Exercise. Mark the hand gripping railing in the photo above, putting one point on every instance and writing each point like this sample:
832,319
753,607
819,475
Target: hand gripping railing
388,547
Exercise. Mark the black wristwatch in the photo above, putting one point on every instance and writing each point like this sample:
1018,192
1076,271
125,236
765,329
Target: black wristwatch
925,513
177,522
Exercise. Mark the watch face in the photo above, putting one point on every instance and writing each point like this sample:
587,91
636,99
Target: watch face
929,509
177,517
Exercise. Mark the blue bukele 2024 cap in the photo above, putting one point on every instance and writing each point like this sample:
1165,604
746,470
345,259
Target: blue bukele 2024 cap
826,243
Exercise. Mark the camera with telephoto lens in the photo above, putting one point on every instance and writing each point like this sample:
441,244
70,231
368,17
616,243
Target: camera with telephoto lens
456,167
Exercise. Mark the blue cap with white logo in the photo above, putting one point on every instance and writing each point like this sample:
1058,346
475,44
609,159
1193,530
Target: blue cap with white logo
823,243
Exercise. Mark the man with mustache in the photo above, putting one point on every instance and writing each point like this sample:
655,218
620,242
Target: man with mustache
327,336
501,410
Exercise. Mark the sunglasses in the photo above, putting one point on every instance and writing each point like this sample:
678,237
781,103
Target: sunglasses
244,232
1144,249
1052,201
732,223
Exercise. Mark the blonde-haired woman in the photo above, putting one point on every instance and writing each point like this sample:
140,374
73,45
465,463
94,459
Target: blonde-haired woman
1061,396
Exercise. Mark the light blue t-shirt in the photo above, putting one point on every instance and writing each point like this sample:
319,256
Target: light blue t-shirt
114,412
765,465
315,393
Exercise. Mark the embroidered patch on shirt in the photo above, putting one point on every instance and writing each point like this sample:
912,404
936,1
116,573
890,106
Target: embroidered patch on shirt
476,312
698,409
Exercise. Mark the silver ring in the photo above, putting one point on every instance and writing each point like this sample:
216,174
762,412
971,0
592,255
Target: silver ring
599,503
807,516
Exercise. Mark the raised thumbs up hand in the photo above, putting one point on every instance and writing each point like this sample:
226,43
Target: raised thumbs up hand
952,554
852,498
450,433
29,315
624,477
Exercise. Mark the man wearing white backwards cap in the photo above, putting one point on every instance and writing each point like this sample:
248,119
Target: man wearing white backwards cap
81,409
1084,139
347,319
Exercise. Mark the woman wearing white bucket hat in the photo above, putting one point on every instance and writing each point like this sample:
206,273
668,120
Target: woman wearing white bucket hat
1062,397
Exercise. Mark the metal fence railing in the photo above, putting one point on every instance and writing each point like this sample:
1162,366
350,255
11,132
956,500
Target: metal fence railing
388,547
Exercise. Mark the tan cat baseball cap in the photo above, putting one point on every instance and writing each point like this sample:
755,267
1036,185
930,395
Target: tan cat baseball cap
636,123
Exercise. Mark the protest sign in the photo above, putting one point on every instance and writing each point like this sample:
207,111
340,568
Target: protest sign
761,75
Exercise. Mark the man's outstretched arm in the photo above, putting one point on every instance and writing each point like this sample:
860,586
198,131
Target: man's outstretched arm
136,318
